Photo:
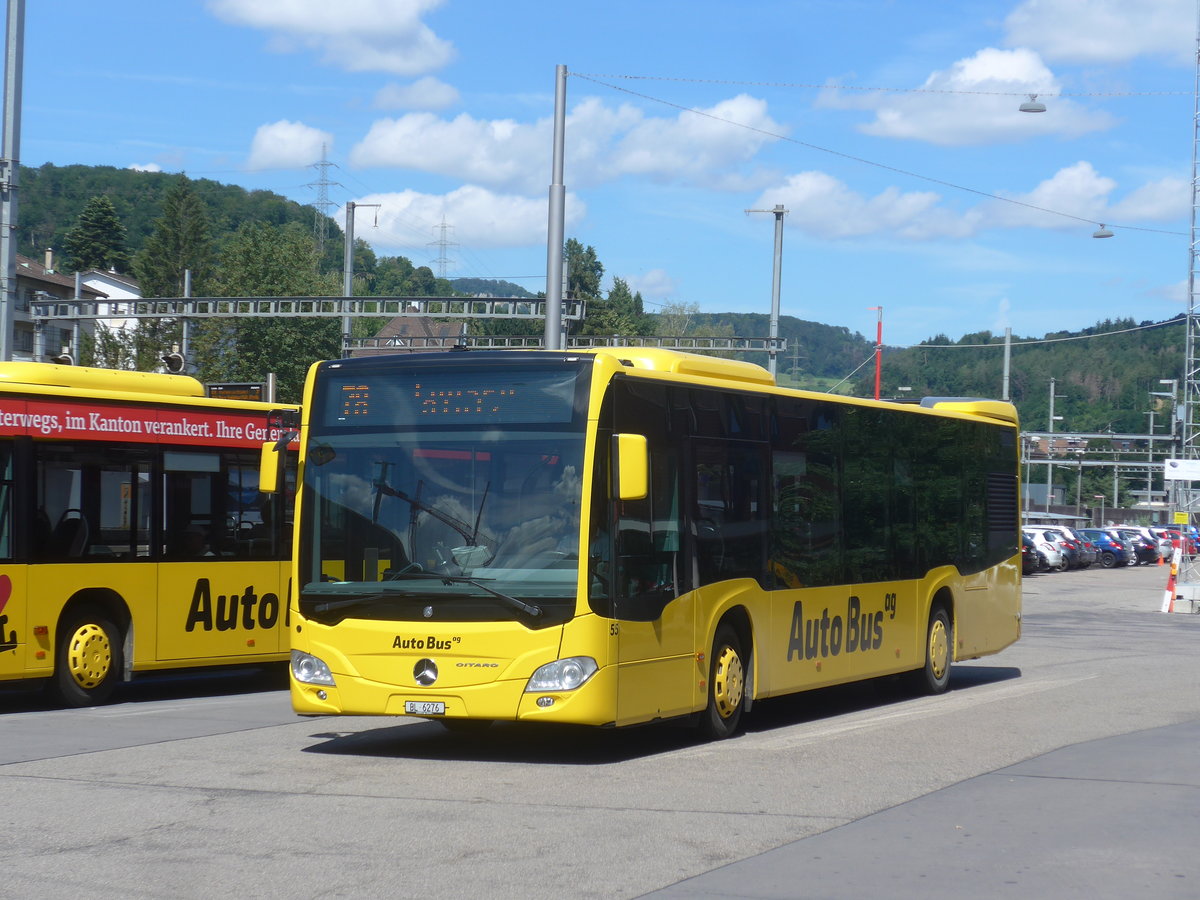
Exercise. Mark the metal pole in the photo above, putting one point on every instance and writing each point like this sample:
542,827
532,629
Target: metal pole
773,333
9,170
348,274
1050,449
185,343
878,349
556,223
1150,461
1007,362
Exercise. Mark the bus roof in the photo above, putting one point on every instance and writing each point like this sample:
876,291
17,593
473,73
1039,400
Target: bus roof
680,363
90,379
992,409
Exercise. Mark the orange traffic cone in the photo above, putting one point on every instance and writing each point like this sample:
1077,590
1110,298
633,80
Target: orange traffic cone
1168,603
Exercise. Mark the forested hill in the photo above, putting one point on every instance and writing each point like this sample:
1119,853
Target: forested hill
52,197
1104,375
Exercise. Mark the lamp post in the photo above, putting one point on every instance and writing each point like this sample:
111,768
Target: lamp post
1050,445
878,348
1173,394
1150,461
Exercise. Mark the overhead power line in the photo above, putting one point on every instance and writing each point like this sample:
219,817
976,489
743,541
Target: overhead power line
869,162
827,86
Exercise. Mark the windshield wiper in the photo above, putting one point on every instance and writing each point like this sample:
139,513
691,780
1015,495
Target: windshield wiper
529,609
329,605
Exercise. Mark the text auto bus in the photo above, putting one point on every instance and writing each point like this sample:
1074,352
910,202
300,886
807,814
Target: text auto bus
619,536
133,536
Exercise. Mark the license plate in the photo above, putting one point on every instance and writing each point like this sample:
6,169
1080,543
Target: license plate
424,708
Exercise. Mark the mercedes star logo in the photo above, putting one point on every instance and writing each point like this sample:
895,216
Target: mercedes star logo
425,671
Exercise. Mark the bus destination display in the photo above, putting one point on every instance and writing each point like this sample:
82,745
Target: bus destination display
454,397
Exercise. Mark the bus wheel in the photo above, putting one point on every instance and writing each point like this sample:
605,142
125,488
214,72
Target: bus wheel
726,686
934,677
87,662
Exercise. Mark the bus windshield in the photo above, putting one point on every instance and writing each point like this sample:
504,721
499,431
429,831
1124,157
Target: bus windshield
430,512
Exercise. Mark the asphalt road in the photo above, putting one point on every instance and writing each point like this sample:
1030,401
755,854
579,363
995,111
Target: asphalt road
210,787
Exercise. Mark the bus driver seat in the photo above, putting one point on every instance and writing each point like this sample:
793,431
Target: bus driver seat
71,535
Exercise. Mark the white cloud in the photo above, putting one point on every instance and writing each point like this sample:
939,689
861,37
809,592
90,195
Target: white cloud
145,167
655,284
825,207
424,93
287,145
971,103
481,218
1096,31
1157,201
603,143
499,153
1077,190
356,35
694,146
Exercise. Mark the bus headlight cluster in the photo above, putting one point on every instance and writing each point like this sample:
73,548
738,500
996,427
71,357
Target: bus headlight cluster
308,669
562,674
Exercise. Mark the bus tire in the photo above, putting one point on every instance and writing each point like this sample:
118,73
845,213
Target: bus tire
726,686
934,676
87,659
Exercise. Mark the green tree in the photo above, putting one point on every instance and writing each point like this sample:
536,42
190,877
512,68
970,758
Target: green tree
264,260
621,313
677,319
180,243
139,349
584,271
97,240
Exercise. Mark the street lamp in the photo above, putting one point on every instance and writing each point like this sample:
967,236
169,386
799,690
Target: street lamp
1050,445
1150,462
1169,484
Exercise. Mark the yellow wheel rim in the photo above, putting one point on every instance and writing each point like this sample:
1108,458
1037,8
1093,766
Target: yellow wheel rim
727,682
89,656
939,648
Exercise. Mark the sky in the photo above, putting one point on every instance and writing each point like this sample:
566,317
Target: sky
889,131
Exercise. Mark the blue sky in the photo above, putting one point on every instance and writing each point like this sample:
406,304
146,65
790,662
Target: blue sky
889,130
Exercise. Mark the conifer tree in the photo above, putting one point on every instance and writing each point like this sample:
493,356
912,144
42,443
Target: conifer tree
97,240
180,243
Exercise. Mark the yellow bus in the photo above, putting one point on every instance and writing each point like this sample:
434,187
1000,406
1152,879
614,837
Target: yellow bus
133,536
619,536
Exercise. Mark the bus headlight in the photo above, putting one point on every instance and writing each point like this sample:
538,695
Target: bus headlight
562,674
308,669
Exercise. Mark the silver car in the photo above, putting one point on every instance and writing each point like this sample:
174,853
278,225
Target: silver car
1048,547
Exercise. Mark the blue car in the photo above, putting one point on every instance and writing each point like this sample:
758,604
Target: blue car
1112,553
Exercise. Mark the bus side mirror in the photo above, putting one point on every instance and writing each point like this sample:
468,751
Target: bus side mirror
271,455
631,462
269,468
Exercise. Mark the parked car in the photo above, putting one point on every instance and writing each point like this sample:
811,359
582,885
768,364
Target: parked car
1123,539
1056,561
1032,559
1066,546
1085,553
1111,552
1172,537
1151,534
1145,550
